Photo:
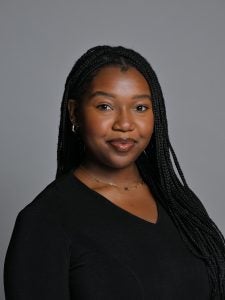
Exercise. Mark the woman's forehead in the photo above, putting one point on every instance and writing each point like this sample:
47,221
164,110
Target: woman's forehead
115,77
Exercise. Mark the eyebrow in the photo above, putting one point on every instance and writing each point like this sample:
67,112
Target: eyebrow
109,95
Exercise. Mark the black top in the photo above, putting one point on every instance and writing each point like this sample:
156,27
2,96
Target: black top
71,243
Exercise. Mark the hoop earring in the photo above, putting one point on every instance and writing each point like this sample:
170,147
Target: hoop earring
75,127
145,153
150,148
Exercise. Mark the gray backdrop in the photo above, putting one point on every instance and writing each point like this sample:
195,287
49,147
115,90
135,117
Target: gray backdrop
40,40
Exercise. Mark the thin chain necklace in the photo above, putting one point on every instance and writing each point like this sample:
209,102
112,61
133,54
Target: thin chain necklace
125,188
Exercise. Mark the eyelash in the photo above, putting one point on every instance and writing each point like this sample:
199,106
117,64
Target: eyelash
143,106
100,106
104,105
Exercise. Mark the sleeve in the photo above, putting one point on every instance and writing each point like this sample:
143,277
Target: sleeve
37,260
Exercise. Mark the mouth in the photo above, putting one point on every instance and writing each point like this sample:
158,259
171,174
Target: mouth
122,145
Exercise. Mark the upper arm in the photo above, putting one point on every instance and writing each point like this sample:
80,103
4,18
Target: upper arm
37,260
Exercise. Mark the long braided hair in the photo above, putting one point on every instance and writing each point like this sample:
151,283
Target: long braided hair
198,231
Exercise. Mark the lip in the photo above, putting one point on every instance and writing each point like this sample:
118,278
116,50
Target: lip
122,144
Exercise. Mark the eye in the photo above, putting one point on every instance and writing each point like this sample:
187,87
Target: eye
104,107
141,108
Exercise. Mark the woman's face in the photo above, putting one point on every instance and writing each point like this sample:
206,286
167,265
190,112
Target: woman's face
115,117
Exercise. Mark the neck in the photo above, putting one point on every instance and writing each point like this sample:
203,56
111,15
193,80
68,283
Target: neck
126,175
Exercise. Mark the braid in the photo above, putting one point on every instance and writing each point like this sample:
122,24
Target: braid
196,228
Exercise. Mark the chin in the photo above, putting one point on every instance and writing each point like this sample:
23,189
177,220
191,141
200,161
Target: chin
120,164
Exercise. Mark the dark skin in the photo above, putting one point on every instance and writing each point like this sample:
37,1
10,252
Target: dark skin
117,106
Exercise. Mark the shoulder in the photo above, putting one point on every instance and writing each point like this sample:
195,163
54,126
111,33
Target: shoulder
65,204
49,197
38,230
54,202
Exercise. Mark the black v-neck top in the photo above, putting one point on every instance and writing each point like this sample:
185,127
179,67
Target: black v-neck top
71,243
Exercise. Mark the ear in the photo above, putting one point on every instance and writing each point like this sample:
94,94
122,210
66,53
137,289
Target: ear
72,107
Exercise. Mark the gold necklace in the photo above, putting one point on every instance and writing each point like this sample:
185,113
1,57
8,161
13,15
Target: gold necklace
125,188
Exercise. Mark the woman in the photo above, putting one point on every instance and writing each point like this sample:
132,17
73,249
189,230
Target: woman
117,223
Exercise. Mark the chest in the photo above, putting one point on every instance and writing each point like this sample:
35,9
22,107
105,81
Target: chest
139,203
117,255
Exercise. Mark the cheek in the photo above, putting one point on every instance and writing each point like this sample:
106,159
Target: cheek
147,126
93,126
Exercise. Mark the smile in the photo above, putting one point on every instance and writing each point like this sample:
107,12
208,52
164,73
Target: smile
122,145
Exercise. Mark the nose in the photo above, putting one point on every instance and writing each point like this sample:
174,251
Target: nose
123,121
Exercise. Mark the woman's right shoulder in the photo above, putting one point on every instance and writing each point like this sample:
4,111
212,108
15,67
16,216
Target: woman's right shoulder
53,201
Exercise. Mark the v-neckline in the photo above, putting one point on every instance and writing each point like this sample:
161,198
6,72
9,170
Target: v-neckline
115,206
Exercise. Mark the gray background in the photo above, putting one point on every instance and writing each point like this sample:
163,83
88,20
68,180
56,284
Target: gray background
40,40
